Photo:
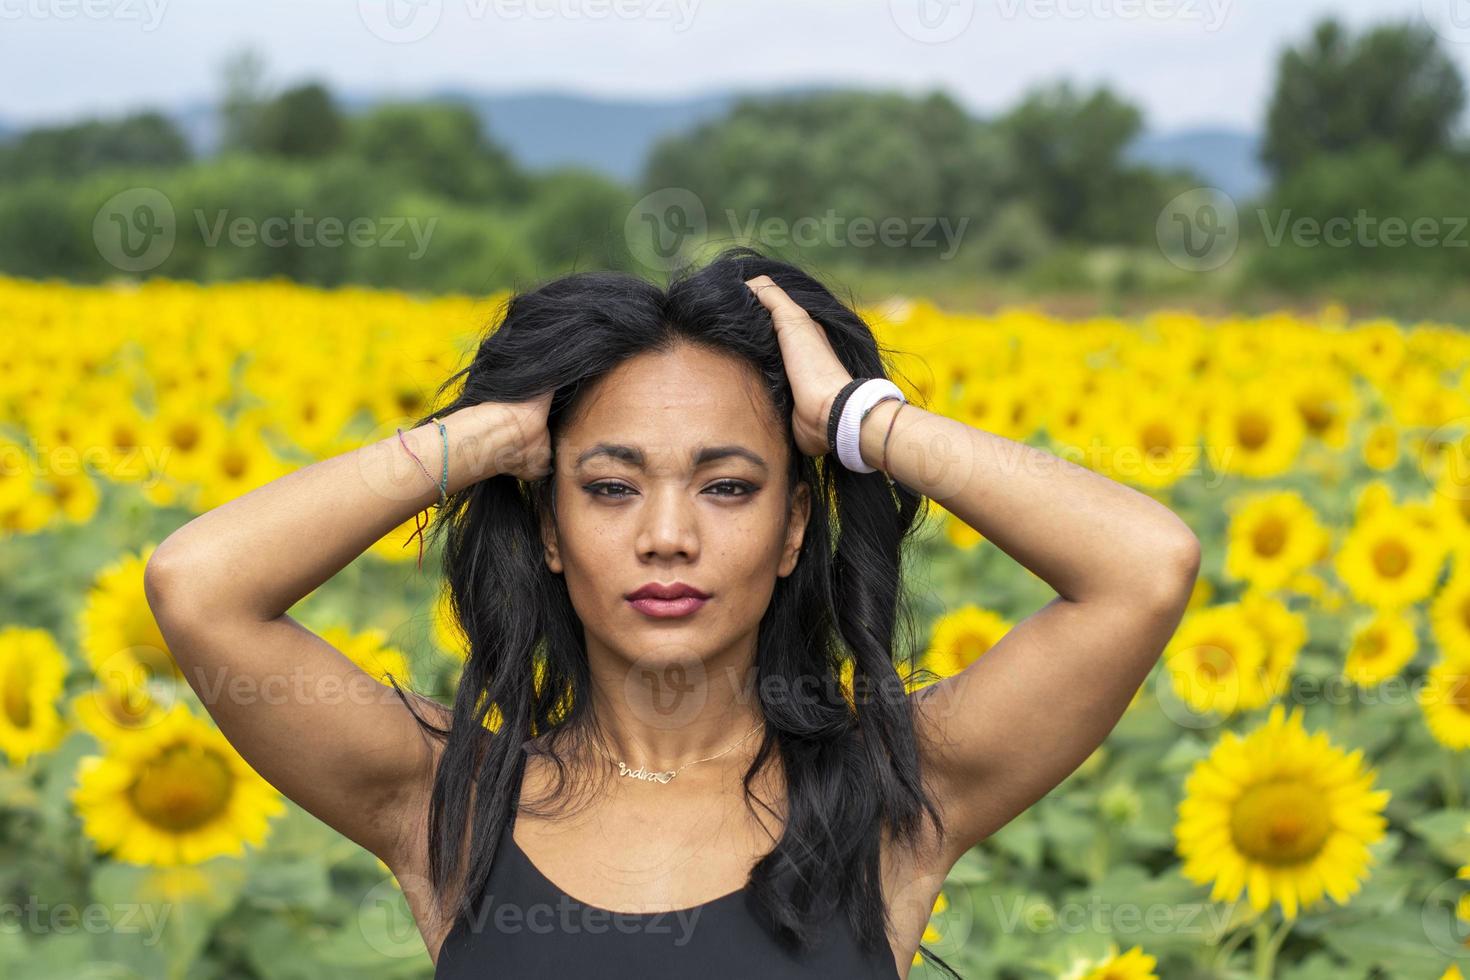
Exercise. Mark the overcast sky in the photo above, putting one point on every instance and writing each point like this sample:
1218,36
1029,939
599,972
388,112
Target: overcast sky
1185,62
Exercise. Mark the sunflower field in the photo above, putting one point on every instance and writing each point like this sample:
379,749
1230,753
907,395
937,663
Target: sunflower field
1285,796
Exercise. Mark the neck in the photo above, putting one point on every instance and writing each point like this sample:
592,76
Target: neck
674,715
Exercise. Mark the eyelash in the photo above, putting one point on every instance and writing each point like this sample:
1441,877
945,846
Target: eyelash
593,489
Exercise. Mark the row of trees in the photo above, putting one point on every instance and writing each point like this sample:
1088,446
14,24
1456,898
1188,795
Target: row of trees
1356,124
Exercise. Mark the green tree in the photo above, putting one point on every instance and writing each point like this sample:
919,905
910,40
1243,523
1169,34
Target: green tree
1073,169
440,148
146,138
837,157
301,122
1335,93
244,100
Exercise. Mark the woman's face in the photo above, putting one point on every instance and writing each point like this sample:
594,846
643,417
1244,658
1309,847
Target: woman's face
636,503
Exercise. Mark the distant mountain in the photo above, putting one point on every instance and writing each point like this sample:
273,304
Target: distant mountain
613,136
610,136
543,130
1225,158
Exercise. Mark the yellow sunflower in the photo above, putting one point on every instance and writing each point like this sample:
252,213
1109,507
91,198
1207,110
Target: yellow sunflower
1281,815
369,649
1451,498
1254,431
1327,403
447,631
961,637
117,705
191,435
1381,446
1449,614
931,932
1154,443
17,474
172,794
1201,595
32,674
71,493
960,534
1380,648
239,462
1272,536
402,543
1114,965
117,625
1284,633
1388,560
1374,495
1216,660
1445,700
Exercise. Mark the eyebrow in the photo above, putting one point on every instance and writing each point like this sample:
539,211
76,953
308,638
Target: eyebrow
703,456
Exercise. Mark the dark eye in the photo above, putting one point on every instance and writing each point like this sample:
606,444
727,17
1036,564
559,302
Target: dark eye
732,488
596,488
745,489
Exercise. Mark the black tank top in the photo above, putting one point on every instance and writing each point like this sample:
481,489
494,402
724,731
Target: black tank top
525,926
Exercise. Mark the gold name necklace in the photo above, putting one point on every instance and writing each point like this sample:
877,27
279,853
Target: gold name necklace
663,776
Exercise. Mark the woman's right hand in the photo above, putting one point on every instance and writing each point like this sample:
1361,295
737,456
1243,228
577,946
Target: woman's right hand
523,442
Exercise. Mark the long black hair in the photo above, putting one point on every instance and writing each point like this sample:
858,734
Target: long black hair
848,754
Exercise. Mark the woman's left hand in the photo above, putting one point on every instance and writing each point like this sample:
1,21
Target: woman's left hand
812,367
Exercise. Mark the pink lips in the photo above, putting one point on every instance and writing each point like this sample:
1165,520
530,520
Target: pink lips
665,601
667,608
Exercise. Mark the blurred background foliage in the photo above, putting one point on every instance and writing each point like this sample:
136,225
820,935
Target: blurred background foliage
1044,196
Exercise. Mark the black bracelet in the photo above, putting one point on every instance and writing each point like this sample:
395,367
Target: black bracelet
836,413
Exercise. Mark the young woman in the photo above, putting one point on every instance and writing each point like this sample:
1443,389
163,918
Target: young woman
674,524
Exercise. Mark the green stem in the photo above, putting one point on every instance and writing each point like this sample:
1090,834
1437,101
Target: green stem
1449,781
1222,955
1267,944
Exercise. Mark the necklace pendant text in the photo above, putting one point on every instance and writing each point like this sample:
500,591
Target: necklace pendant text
644,774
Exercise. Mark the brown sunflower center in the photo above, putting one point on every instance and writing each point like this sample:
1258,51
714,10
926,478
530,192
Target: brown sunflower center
1370,645
1157,441
1460,693
1390,558
17,695
1317,413
1214,661
1252,430
1269,537
182,789
234,463
185,434
970,648
1280,822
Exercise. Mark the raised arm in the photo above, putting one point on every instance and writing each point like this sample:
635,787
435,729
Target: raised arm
1001,733
308,719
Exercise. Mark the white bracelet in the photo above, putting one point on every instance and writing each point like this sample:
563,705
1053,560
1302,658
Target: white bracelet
857,407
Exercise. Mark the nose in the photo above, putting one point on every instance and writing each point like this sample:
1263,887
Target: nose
668,527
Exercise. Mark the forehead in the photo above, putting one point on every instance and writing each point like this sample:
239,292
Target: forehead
670,402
